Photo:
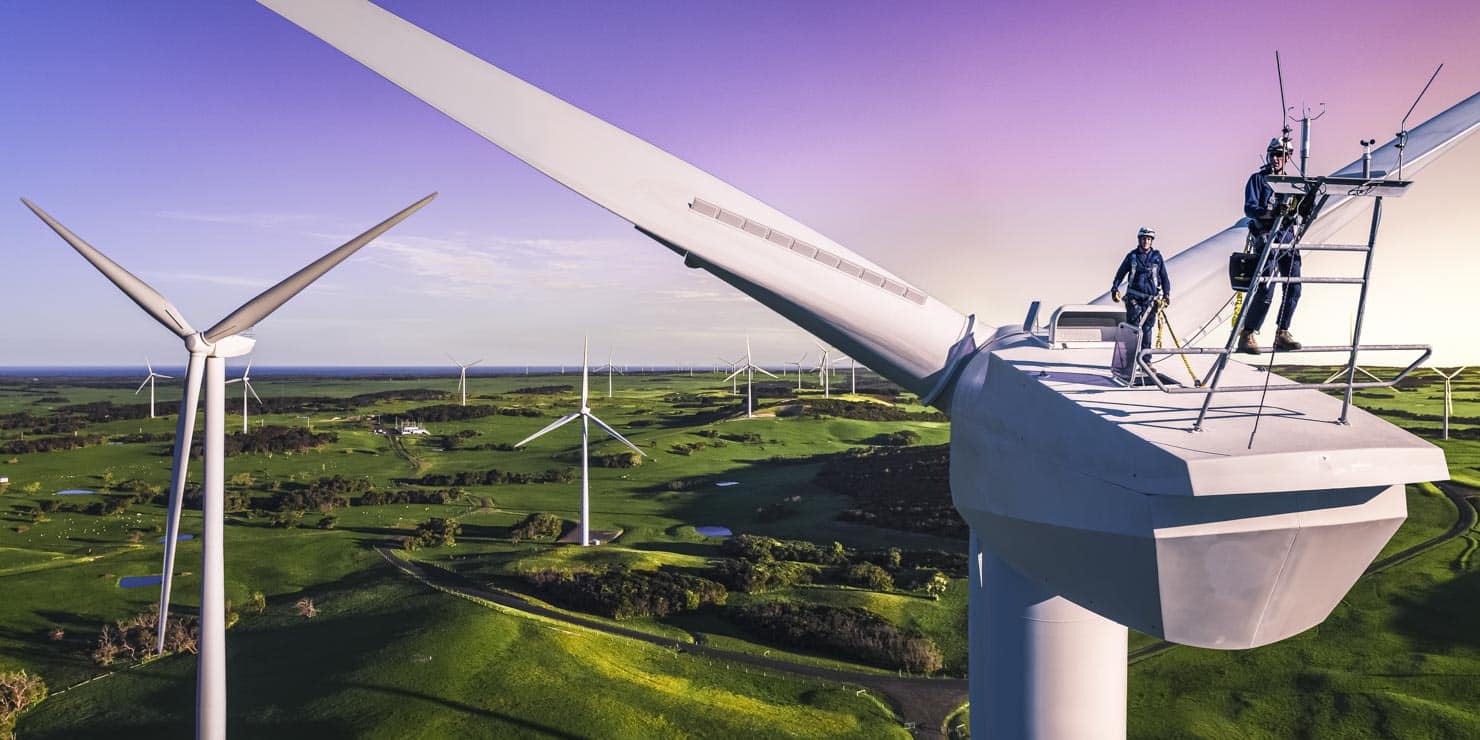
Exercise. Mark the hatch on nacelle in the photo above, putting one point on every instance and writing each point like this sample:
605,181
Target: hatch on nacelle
1084,326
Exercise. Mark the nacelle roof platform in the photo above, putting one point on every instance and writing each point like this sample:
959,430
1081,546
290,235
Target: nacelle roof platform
1298,446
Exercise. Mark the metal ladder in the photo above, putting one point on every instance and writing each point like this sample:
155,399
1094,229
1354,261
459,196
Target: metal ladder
1320,189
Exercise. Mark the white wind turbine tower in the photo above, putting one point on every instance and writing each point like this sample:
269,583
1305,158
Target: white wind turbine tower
149,381
462,377
734,384
798,364
208,352
586,417
824,370
1085,519
1448,399
609,368
246,381
749,369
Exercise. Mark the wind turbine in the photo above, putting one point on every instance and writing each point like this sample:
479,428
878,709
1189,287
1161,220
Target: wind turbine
149,381
749,369
586,417
824,370
462,377
208,352
609,368
798,365
1205,542
1448,399
734,384
246,381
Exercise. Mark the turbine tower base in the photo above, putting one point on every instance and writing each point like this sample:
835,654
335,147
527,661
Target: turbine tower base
1042,667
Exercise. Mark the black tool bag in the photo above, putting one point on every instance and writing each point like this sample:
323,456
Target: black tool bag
1241,266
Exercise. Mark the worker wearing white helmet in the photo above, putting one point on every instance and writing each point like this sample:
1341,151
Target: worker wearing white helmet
1145,273
1262,207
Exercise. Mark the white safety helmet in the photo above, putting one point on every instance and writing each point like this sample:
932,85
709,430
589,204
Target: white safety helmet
1277,146
1146,231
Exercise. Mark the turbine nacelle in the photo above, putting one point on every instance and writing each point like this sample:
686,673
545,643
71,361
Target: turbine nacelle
1100,493
235,345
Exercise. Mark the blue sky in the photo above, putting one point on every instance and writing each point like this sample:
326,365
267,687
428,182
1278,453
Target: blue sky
990,156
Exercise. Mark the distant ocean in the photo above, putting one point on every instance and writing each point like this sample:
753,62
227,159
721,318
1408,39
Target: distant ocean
325,371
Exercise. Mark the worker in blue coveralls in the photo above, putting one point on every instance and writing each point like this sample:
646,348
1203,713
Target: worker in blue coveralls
1146,279
1262,207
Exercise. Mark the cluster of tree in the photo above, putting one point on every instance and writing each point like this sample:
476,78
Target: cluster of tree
19,690
901,488
495,477
435,532
849,632
451,412
49,444
689,448
753,576
901,438
758,548
536,526
757,563
544,390
48,424
270,439
380,497
145,437
691,400
623,594
322,404
623,459
131,640
748,438
868,411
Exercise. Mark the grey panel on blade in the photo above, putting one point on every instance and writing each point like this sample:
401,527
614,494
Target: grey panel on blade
785,241
1298,445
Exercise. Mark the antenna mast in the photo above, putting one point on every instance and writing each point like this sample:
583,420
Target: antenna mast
1403,127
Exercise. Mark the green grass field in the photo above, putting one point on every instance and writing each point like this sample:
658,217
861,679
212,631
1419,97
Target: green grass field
387,657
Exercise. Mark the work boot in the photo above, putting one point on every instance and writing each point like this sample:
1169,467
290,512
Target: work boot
1247,344
1284,341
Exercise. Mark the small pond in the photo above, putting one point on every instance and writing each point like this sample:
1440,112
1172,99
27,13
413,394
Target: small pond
713,531
139,581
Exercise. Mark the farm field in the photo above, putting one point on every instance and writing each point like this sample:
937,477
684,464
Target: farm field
323,511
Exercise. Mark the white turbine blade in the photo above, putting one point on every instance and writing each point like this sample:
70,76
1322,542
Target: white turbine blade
474,362
268,301
248,372
760,369
562,421
149,366
233,380
162,375
147,298
248,385
141,385
820,285
614,434
585,370
184,431
737,372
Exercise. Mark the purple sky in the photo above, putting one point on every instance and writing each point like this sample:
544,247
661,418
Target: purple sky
991,155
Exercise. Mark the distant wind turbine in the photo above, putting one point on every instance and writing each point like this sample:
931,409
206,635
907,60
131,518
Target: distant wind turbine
1448,399
149,381
749,369
609,368
798,364
586,417
246,381
824,370
462,377
208,352
734,383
